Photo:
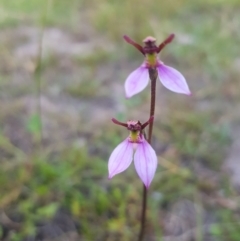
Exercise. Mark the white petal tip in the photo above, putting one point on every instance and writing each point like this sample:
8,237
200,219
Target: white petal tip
187,93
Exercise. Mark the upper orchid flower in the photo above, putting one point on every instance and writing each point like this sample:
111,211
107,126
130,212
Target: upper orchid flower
170,77
136,148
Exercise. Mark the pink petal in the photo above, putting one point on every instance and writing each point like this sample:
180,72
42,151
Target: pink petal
136,81
173,79
120,158
145,160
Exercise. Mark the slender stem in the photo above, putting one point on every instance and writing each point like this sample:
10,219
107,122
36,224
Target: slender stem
153,77
38,71
143,217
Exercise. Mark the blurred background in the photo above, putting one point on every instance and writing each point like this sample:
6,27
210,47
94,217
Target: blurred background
63,64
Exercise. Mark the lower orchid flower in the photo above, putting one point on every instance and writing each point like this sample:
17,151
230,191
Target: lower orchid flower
170,77
135,148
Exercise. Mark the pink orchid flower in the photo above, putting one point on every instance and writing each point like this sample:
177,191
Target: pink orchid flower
135,148
139,78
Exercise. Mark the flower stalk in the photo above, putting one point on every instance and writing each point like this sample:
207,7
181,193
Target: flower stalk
153,78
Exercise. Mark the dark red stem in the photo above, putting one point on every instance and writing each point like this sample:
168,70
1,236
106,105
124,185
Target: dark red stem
153,77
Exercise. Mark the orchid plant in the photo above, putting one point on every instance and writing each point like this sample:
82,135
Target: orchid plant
136,147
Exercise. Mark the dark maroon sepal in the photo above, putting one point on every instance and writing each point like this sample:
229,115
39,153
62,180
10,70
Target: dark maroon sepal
136,45
119,123
148,122
165,42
